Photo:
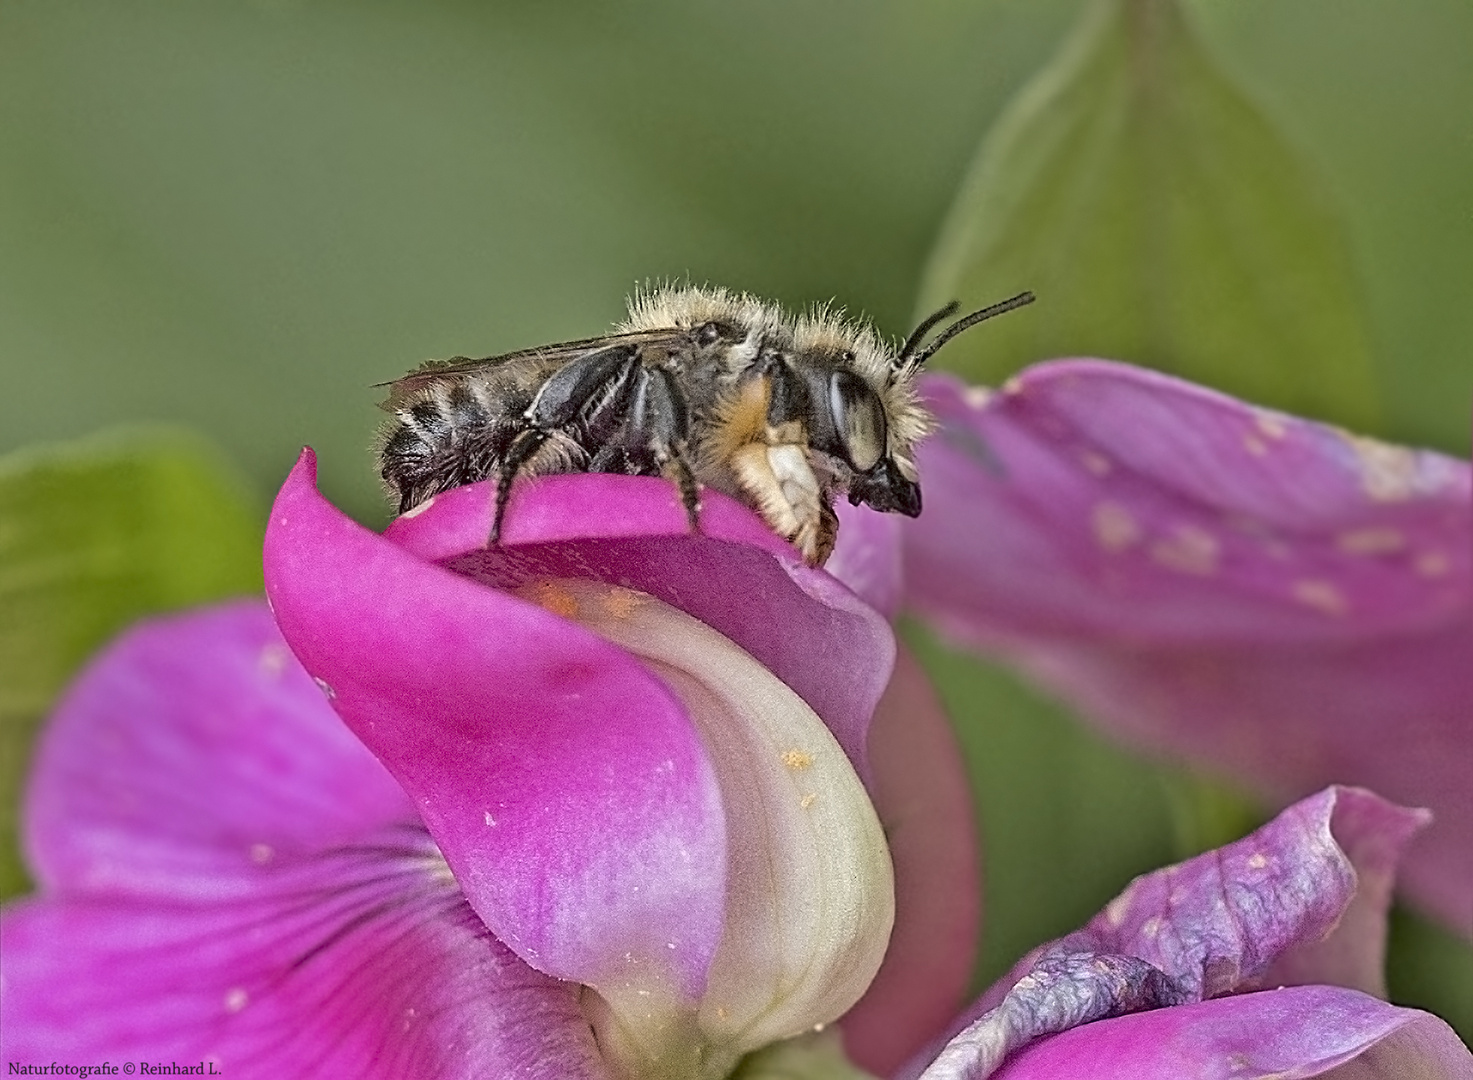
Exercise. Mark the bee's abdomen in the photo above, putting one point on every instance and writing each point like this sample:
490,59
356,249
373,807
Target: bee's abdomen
448,439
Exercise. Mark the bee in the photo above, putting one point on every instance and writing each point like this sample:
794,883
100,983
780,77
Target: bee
699,385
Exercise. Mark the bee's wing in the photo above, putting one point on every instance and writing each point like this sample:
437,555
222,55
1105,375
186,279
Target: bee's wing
549,356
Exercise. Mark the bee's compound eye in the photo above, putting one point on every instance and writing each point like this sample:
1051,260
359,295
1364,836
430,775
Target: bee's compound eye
858,418
708,334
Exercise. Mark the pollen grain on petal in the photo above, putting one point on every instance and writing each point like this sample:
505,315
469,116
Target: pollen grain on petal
797,760
1373,540
1323,596
808,800
1257,861
326,688
1188,549
1254,445
261,854
236,998
1096,463
1114,526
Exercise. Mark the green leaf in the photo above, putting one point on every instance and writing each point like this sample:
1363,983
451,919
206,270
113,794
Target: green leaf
1066,818
1431,968
1162,220
93,535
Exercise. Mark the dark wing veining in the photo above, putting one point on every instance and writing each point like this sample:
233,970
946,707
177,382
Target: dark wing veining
433,371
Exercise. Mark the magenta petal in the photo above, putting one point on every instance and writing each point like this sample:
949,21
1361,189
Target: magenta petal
867,557
735,576
1296,1032
190,755
565,785
1256,593
366,962
925,803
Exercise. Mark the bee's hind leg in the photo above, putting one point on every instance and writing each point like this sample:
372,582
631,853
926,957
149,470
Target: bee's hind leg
521,450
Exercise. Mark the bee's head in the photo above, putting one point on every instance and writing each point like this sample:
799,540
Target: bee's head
885,487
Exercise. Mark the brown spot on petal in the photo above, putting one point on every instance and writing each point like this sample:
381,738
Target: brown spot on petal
1374,540
1320,595
1114,527
1188,550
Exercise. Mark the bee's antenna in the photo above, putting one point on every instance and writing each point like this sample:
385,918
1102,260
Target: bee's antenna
913,342
919,357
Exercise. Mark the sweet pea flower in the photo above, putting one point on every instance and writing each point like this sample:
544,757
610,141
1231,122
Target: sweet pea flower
1259,960
595,807
1259,595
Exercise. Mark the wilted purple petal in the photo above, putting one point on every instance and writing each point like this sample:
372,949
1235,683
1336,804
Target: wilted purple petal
564,783
190,755
735,576
1297,1032
1257,912
1256,593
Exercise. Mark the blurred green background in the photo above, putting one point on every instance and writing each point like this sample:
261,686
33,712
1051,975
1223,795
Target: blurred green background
239,216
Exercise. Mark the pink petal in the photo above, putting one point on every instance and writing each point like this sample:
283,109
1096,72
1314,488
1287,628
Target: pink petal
565,785
925,803
1296,1032
735,576
867,557
365,963
1253,592
191,754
